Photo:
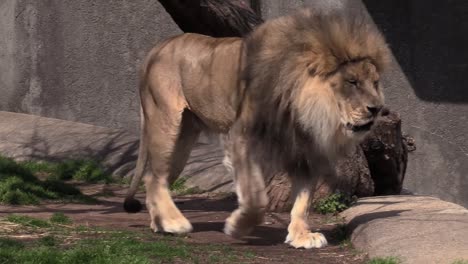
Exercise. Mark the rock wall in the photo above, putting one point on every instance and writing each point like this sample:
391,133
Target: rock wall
77,60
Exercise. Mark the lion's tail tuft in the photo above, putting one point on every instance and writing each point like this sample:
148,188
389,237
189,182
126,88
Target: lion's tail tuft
132,205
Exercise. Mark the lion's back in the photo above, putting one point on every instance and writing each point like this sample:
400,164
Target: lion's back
206,71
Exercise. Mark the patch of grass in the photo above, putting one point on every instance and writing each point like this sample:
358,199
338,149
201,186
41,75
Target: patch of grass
7,243
334,203
81,170
178,187
36,167
81,228
346,243
27,221
18,185
106,246
249,254
48,241
84,170
460,261
386,260
60,218
101,251
26,183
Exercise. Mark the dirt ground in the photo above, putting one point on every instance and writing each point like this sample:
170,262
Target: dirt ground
207,215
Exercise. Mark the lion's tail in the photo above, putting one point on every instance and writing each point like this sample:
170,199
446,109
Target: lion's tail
132,205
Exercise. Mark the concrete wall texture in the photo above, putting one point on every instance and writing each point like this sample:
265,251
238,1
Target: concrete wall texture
77,60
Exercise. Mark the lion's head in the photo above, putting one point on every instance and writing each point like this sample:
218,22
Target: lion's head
359,96
321,71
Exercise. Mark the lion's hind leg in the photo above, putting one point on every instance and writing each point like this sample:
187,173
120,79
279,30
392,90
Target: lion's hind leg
299,234
171,134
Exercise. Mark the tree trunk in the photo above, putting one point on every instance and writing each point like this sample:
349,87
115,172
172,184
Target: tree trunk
376,168
387,155
216,18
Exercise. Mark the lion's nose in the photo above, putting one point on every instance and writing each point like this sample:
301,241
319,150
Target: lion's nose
374,110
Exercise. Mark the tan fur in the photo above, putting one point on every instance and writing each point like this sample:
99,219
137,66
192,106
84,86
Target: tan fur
293,96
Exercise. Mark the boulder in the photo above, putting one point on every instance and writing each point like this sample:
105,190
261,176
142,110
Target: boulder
30,137
416,229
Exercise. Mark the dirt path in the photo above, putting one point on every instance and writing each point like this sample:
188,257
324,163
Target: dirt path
207,215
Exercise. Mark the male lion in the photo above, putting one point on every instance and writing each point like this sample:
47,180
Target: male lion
292,96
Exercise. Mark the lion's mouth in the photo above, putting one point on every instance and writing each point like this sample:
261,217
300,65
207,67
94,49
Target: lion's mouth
360,128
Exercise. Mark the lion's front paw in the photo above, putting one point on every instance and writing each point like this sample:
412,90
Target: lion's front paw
306,240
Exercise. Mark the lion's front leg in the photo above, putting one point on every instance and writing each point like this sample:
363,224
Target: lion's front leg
251,193
299,234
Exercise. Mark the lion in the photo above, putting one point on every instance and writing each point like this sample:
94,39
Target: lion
294,95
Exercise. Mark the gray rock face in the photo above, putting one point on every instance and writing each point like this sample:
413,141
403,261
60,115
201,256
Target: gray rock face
78,60
205,169
417,229
26,137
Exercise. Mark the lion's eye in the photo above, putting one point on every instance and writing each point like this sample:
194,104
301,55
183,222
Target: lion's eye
376,84
352,82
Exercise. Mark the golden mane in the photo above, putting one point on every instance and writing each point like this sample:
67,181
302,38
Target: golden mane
323,41
284,53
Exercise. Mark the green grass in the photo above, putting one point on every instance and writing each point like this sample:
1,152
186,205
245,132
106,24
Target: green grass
11,244
179,187
81,170
102,251
24,220
25,183
106,246
346,243
84,170
460,261
386,260
48,241
60,218
333,204
28,221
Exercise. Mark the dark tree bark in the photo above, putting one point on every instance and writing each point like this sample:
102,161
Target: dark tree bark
387,155
217,18
376,168
279,193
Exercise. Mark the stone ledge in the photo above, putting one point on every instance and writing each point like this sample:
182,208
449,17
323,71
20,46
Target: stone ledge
417,229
